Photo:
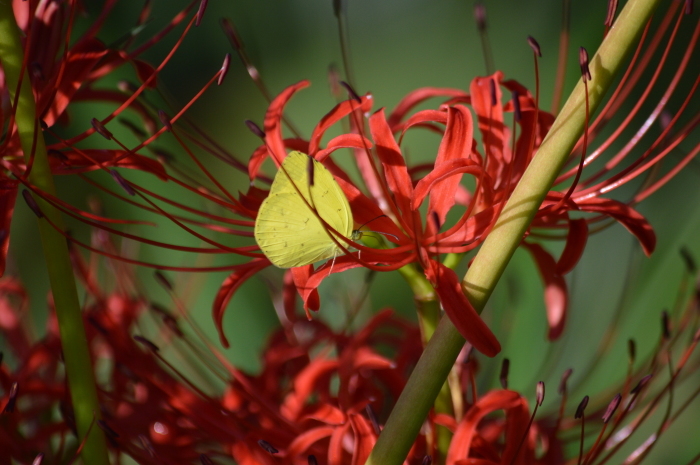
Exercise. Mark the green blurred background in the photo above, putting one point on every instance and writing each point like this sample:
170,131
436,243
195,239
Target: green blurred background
395,47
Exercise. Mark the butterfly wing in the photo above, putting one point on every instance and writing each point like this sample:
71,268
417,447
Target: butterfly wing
287,230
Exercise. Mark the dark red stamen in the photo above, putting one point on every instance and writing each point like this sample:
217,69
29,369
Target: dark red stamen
101,129
200,12
163,280
31,202
255,129
12,399
581,407
165,119
535,46
269,448
505,367
142,340
224,69
122,182
583,63
540,392
612,406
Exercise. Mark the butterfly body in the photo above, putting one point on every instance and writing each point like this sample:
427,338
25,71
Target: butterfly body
288,230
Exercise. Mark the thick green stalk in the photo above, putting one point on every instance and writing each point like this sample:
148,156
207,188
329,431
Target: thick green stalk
76,354
432,369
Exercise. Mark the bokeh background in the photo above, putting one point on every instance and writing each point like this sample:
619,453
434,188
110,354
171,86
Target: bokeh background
396,46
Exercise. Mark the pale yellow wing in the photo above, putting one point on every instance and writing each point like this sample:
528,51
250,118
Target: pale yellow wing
287,230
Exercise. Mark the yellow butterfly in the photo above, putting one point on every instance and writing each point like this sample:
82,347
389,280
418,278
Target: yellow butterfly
287,230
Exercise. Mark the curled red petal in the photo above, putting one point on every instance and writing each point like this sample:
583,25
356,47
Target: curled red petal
456,144
389,154
442,172
228,289
461,311
364,439
556,296
307,291
352,141
80,161
305,440
260,155
625,215
517,419
575,244
273,120
338,112
418,96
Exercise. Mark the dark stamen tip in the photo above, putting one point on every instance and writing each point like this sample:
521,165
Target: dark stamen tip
107,429
492,91
255,129
534,45
564,378
163,280
43,124
165,119
581,407
37,71
689,260
338,7
505,367
12,399
231,33
269,448
583,63
38,459
612,406
427,460
540,392
31,203
642,382
204,458
666,325
100,128
200,12
688,7
612,9
435,218
480,16
142,340
632,350
517,113
224,69
122,182
696,336
311,460
146,444
351,91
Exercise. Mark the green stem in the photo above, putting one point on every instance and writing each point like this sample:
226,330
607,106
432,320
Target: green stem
432,369
76,353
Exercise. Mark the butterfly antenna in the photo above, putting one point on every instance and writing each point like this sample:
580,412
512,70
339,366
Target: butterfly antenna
368,222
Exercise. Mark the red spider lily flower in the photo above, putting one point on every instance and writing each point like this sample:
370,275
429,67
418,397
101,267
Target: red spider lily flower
392,191
61,69
321,393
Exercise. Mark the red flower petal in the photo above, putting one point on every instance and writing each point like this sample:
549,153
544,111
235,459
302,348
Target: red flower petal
338,112
389,153
456,144
273,120
308,292
444,171
364,439
80,161
625,215
575,244
228,289
556,297
517,419
460,310
418,96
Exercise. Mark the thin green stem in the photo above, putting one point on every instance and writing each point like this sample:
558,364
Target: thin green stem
441,352
76,352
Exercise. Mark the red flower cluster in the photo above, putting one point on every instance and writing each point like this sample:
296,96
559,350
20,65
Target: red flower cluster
320,393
